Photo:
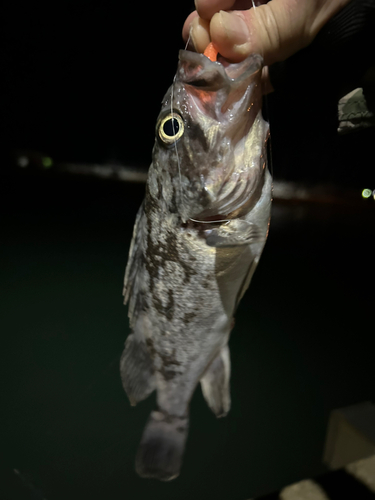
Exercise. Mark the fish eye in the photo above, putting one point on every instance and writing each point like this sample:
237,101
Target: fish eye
171,128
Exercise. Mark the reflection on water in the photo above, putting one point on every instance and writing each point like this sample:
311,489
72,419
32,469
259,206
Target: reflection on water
296,349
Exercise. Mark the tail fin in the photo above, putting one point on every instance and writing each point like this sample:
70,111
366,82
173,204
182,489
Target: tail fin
162,446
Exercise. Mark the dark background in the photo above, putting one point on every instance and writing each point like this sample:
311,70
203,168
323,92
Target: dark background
83,80
79,85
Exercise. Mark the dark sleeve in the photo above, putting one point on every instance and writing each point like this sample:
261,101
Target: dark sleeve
342,51
303,110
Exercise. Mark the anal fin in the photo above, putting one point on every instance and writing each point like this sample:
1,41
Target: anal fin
137,371
215,383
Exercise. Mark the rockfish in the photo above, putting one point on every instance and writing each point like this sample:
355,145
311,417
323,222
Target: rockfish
197,240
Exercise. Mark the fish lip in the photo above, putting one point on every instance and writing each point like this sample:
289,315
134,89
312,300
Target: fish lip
193,65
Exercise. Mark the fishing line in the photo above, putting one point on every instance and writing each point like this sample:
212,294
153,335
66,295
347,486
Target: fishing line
175,143
173,128
188,41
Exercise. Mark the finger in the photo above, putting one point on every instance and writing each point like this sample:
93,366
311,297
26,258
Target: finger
187,24
199,31
270,30
207,8
200,34
275,30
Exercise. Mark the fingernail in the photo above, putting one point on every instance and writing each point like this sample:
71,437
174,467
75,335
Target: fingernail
235,27
191,38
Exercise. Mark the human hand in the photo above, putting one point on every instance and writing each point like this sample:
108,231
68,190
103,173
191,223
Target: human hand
276,29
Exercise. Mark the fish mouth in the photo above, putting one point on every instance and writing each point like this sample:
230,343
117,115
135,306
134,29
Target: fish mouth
199,71
219,89
225,100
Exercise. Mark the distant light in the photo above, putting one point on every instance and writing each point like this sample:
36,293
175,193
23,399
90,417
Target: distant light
366,193
373,194
47,162
22,161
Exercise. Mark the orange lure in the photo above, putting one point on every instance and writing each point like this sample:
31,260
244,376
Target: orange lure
210,52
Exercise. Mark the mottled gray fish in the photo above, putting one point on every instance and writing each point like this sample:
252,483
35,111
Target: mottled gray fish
197,239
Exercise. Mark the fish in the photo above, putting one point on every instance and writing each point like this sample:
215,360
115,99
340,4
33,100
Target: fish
197,240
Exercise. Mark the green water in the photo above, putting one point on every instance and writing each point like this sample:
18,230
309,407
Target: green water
300,347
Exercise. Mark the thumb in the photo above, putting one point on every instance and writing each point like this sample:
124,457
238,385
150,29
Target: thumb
275,30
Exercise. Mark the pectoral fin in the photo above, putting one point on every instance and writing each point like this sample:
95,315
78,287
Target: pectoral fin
236,232
215,383
137,371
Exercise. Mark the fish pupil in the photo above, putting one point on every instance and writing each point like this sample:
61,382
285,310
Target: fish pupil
171,127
